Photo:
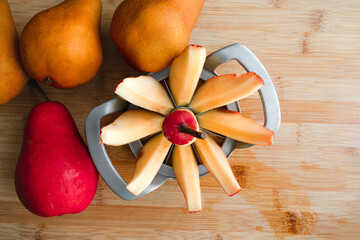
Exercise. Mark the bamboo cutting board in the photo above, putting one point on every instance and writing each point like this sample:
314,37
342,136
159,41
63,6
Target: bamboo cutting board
305,186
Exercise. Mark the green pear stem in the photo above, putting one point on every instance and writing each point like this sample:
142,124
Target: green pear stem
36,86
184,129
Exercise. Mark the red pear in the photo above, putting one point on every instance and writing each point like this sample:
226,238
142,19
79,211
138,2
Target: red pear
54,174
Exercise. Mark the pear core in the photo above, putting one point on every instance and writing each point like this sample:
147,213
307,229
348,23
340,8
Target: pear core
175,121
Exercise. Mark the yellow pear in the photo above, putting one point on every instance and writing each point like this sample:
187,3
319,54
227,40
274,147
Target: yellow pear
12,76
61,46
151,33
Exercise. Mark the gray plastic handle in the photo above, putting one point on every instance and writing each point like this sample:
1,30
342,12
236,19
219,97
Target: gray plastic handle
100,156
250,63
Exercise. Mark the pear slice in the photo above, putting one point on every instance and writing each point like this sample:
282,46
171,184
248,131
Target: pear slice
224,89
147,166
234,125
215,161
130,126
187,175
145,92
185,72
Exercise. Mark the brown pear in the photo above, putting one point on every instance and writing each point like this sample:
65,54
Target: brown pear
151,33
12,76
61,46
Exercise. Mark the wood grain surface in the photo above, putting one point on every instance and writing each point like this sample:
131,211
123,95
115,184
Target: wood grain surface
305,186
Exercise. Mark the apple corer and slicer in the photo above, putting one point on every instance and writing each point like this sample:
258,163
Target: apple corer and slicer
237,52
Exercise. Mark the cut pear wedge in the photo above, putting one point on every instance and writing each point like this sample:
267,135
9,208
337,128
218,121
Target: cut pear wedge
215,161
187,175
234,125
148,164
185,72
224,89
130,126
145,92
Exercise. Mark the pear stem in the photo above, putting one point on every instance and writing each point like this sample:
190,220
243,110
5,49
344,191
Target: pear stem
36,86
184,129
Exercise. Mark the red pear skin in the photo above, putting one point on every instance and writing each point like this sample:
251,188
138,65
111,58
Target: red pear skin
55,174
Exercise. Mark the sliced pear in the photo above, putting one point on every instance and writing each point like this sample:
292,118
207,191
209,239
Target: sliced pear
224,89
215,161
187,175
145,92
150,159
234,125
185,72
130,126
